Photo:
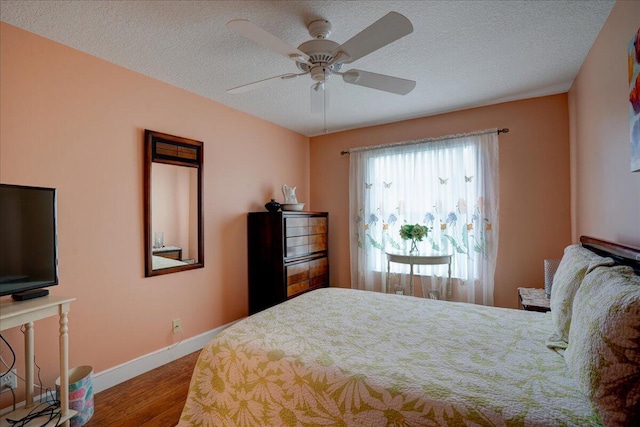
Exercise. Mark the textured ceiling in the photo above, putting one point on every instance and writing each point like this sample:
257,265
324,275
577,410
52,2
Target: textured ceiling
461,53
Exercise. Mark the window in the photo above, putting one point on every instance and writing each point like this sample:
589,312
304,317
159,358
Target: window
448,185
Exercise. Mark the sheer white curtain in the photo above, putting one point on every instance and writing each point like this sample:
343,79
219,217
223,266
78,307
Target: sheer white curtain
449,184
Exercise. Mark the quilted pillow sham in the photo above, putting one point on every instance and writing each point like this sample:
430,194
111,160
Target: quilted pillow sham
604,344
575,264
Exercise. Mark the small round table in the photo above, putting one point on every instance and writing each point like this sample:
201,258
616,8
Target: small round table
418,259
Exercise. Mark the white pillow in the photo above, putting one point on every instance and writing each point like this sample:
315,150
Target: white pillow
604,344
575,264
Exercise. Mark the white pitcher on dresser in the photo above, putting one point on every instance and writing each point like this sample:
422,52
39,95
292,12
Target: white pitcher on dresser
289,194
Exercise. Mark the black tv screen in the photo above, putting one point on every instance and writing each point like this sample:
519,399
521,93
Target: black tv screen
28,242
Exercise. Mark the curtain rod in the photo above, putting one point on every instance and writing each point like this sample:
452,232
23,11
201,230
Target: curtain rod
499,131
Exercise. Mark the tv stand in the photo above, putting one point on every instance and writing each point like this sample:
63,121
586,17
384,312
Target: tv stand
16,313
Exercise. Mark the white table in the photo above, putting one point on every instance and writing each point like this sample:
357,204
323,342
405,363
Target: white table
418,259
16,313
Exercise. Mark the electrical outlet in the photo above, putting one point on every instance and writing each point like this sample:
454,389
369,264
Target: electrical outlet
10,380
176,326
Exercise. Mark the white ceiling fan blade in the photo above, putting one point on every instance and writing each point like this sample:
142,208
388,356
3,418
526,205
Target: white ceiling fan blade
385,30
379,81
319,97
251,31
261,83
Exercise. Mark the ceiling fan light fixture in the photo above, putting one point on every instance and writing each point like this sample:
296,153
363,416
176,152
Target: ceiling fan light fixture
320,74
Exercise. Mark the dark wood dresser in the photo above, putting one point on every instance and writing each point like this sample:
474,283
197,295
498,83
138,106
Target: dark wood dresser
288,255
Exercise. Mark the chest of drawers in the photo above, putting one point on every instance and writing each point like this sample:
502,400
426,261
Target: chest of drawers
288,255
171,252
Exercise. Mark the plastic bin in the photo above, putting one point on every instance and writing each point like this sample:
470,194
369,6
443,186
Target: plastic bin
80,394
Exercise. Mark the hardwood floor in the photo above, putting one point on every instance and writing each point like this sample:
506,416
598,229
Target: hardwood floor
153,399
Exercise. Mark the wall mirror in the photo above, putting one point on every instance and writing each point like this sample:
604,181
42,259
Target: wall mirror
173,204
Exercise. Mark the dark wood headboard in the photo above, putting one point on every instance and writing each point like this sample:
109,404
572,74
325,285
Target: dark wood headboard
627,255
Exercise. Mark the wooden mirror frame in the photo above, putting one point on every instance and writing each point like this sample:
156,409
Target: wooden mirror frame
178,151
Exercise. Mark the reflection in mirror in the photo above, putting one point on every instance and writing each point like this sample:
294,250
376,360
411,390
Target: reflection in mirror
173,204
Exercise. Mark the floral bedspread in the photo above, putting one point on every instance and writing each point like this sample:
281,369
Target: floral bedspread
341,357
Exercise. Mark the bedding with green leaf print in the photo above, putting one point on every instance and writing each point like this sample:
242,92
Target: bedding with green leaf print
342,357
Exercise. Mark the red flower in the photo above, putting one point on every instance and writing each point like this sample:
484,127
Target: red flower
636,44
634,96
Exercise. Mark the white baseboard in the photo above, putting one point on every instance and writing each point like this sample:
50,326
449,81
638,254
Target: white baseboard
113,376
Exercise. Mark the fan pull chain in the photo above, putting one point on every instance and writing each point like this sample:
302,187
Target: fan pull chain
324,101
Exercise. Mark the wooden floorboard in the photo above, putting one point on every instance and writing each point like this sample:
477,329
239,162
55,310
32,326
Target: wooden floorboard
153,399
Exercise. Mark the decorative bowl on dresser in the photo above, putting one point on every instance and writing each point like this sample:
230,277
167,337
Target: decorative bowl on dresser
292,206
288,255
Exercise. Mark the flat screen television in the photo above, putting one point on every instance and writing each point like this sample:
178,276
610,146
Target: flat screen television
28,240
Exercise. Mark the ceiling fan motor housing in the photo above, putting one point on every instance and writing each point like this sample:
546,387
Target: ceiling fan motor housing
319,52
320,29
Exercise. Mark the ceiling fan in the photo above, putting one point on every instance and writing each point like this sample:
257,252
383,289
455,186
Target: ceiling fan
321,58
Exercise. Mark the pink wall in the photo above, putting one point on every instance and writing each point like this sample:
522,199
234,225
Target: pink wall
76,123
605,194
534,184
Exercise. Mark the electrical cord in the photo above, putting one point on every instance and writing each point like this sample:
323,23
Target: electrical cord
44,412
50,407
13,393
9,368
39,378
13,354
50,412
3,362
18,376
179,342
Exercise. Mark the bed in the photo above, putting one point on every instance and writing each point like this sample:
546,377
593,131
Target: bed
355,358
159,262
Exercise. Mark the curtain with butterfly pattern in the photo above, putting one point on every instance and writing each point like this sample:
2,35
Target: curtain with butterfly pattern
448,184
